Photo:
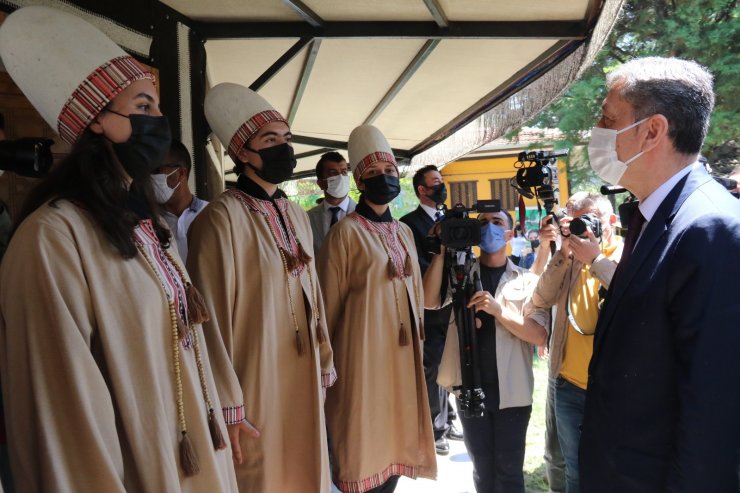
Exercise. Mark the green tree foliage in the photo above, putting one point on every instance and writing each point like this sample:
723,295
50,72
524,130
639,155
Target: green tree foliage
706,31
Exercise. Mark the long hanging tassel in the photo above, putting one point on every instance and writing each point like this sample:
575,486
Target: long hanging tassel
216,436
299,343
391,268
291,262
182,330
188,459
303,256
407,268
197,311
422,334
403,338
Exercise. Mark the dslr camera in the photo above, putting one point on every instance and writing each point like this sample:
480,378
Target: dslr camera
581,224
29,156
458,231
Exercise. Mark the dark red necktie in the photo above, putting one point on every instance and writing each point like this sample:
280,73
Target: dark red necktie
633,233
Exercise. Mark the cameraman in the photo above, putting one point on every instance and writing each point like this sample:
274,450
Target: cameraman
575,281
506,338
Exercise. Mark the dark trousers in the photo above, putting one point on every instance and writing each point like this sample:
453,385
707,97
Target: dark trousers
496,444
435,331
387,487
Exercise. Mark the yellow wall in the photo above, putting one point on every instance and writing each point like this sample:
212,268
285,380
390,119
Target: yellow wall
495,168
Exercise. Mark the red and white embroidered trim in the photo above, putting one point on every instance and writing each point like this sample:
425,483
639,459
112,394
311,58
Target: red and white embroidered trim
388,233
285,240
250,127
234,415
377,479
96,91
169,278
328,379
370,159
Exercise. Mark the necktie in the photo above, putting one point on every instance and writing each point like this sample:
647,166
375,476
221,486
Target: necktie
334,215
633,232
437,216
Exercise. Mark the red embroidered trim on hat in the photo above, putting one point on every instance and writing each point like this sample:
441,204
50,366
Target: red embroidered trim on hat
250,127
370,159
96,91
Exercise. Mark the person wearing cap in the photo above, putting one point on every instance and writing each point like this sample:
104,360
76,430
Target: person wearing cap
105,368
333,179
172,191
251,252
377,412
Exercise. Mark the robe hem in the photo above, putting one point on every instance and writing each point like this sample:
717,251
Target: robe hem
380,478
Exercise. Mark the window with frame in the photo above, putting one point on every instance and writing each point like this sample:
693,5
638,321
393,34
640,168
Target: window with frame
464,192
501,189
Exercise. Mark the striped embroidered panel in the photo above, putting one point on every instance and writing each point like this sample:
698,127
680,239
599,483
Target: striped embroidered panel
97,90
377,479
388,233
285,240
250,127
167,274
234,415
370,159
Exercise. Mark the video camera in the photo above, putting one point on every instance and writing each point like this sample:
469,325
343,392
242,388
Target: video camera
537,176
458,231
29,156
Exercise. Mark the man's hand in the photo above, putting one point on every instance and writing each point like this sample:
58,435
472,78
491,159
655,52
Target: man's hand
482,300
585,250
234,430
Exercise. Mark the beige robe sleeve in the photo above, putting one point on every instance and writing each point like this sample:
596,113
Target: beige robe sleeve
59,411
326,354
211,267
332,269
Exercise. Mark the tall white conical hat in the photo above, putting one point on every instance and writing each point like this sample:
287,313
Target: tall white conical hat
66,67
236,113
366,146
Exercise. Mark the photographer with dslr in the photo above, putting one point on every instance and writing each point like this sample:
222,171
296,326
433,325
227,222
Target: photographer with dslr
575,281
506,336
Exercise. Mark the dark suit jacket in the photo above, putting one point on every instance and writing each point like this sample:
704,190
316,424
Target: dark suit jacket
663,400
420,223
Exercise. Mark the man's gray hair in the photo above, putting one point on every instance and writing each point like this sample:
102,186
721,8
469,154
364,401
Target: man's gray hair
680,90
586,200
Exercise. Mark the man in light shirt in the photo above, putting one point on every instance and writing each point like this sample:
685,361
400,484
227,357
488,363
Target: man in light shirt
172,190
332,178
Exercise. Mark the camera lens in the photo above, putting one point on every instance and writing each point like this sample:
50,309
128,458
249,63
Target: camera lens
577,227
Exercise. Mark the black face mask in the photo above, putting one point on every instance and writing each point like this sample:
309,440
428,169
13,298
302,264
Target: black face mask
535,244
382,189
145,150
439,193
278,163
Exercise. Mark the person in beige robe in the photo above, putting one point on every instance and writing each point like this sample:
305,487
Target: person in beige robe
378,411
250,252
106,371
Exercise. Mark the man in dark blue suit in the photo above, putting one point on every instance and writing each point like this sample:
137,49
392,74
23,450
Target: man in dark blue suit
430,188
663,401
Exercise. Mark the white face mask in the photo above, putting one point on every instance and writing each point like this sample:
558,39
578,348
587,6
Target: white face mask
162,191
602,153
337,186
